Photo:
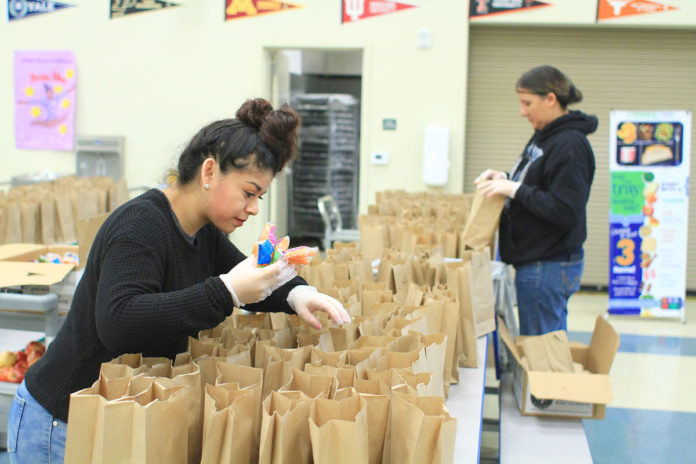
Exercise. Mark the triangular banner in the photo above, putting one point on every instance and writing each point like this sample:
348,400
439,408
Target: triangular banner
355,10
125,7
478,8
236,9
613,9
20,9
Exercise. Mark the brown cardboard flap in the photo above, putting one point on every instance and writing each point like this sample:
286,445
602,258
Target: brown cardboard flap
603,347
582,388
507,339
16,273
16,249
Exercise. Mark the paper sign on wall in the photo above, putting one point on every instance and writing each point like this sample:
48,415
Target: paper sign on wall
236,9
45,99
355,10
648,220
20,9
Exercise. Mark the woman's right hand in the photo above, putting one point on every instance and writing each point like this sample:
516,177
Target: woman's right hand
490,174
250,284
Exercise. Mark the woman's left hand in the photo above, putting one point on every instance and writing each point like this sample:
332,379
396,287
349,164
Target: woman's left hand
504,187
306,300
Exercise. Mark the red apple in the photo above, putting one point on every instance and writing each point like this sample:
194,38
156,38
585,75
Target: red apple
34,346
21,357
18,374
33,357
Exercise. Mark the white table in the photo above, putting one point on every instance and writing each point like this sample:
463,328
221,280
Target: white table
465,402
533,439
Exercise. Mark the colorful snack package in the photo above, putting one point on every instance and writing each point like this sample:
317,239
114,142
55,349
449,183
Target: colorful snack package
268,249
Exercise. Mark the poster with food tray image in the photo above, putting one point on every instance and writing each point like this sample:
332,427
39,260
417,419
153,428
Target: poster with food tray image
648,219
648,143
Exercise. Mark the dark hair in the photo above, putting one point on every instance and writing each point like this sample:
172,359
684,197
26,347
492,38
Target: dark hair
258,136
543,80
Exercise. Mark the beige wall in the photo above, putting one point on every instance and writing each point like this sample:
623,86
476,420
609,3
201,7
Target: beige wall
157,77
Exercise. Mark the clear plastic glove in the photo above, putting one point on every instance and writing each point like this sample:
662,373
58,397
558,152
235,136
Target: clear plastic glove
305,301
490,174
249,284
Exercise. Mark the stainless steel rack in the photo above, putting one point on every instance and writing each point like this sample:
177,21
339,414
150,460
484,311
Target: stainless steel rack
327,162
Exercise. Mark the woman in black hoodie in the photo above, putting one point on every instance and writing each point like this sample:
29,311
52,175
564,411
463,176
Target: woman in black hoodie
543,224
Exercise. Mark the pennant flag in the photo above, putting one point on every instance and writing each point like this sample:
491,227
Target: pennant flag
125,7
236,9
612,9
45,83
479,8
20,9
355,10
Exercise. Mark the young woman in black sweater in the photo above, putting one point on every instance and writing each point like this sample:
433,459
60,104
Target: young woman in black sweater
161,268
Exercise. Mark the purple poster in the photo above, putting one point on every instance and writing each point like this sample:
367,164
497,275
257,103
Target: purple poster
45,100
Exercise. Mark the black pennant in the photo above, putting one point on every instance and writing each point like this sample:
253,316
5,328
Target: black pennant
125,7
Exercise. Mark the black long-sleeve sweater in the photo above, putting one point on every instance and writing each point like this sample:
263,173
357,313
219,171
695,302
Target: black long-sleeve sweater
547,217
145,289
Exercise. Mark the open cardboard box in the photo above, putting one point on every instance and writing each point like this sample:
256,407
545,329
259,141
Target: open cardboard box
17,269
583,394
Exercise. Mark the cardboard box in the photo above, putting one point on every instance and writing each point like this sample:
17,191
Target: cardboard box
19,272
563,394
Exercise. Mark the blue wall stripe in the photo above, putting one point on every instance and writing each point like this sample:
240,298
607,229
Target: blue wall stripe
647,344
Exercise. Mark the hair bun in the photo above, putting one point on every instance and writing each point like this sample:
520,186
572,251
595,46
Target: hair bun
253,112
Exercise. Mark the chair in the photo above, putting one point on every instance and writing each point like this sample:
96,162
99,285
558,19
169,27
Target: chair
333,224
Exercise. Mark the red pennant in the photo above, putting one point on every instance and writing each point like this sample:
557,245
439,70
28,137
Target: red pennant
612,9
355,10
235,9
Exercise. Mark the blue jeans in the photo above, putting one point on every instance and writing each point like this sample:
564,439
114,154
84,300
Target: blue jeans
34,436
543,289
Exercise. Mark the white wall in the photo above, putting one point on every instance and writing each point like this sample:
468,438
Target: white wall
157,77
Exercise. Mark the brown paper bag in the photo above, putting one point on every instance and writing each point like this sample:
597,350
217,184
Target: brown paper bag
343,377
29,219
339,431
373,239
12,223
228,434
182,373
482,292
285,435
482,222
279,363
127,420
65,221
421,430
312,385
248,379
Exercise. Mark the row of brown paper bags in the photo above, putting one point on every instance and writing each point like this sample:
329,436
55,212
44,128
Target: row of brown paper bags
470,224
385,325
412,281
152,413
48,212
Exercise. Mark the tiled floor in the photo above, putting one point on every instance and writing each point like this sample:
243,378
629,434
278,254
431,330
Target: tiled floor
653,415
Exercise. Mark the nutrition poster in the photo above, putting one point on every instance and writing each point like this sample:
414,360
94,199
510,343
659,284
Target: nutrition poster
649,155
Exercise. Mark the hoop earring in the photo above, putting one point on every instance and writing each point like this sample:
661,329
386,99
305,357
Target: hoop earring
206,186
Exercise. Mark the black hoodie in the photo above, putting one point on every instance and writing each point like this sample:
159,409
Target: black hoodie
546,220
